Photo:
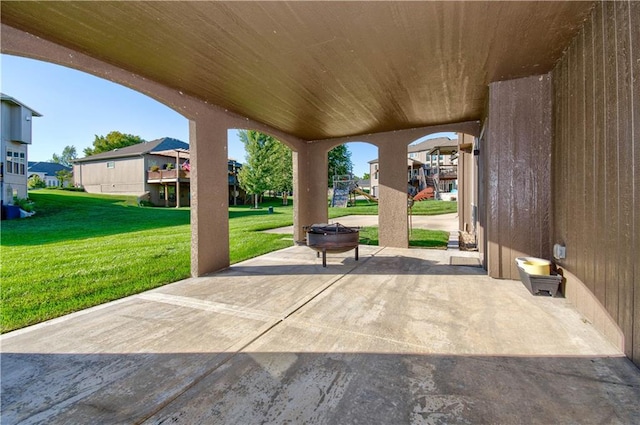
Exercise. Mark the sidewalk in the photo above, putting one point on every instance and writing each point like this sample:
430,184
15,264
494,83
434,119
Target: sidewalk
446,222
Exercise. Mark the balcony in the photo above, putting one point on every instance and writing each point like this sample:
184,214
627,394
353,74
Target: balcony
162,176
447,172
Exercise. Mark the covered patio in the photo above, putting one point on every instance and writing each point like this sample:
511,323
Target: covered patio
546,94
401,336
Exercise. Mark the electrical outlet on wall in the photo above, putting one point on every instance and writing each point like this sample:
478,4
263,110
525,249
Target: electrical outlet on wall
559,251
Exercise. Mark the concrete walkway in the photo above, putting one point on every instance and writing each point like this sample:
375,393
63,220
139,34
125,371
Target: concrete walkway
400,336
446,222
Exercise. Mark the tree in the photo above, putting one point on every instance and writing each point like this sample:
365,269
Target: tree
281,178
366,176
66,158
64,176
254,175
339,162
35,182
111,141
269,165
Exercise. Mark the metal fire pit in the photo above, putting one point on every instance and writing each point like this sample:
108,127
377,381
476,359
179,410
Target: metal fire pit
331,238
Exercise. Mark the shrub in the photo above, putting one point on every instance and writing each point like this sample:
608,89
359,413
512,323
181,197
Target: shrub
35,182
73,188
24,204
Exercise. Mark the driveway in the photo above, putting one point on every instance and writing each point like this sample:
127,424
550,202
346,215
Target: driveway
400,336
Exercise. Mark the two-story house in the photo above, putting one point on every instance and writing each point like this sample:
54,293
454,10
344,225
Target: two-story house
432,162
158,171
153,170
16,138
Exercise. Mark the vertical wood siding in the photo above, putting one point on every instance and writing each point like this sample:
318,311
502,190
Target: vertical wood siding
596,162
517,157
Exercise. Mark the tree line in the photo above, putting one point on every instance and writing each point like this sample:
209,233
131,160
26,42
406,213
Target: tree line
269,165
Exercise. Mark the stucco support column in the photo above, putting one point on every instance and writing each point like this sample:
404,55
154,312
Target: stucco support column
309,187
209,195
392,210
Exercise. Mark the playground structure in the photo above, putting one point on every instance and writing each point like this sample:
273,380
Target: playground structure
420,187
345,190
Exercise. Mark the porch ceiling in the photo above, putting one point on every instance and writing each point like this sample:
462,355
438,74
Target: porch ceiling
319,70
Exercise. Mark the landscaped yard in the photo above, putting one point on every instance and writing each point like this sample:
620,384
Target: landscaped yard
82,250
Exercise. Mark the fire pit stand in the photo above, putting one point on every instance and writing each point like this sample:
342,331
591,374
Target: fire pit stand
331,238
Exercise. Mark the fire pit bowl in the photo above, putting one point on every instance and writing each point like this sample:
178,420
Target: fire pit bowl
332,238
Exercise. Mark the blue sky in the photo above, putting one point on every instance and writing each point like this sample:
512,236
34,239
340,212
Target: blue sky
77,106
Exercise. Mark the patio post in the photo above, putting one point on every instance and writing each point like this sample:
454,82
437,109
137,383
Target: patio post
209,194
177,168
309,187
392,209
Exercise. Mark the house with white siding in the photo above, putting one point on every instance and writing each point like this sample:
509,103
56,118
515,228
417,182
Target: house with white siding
16,138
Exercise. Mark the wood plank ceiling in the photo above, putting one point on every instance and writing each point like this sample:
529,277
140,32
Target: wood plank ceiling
319,70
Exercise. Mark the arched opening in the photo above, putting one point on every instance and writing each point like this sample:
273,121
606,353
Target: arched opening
442,179
351,187
260,169
348,175
76,106
84,249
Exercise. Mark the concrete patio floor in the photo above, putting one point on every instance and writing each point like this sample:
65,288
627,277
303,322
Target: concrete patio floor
400,336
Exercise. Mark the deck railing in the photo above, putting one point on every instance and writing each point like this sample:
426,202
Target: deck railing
448,172
168,174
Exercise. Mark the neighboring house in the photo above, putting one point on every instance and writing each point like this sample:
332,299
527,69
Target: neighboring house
237,195
16,137
158,171
132,171
430,163
365,184
47,172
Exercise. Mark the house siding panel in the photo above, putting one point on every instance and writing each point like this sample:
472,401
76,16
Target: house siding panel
127,177
596,138
517,156
589,164
634,60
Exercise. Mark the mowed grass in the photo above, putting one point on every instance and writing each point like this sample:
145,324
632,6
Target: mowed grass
81,250
427,207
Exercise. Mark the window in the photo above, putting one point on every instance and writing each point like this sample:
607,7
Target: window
9,166
111,164
16,162
23,168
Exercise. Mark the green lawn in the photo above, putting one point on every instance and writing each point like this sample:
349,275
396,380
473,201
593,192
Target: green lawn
427,207
81,250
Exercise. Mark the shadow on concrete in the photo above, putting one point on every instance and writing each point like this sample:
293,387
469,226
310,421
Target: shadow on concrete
297,387
375,265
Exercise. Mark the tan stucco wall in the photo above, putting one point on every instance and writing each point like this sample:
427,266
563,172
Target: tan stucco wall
467,185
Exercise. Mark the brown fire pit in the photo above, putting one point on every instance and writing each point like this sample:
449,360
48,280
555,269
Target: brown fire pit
330,238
